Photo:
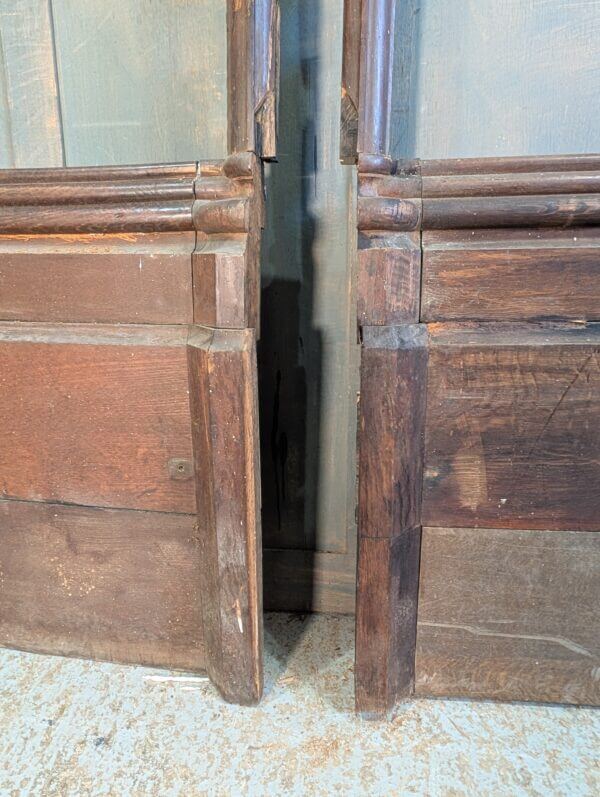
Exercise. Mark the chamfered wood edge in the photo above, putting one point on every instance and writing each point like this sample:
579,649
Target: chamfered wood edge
391,419
223,404
253,76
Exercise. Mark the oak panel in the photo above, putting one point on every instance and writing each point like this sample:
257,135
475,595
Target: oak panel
100,583
512,433
146,278
96,415
511,275
510,615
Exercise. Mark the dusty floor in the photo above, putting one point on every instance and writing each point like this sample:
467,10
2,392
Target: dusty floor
76,728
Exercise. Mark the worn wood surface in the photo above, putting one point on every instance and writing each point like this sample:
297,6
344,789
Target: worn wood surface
252,75
512,435
389,278
511,275
390,456
510,615
30,117
223,401
101,583
95,415
145,277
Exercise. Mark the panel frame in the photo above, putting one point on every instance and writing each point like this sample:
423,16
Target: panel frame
211,214
402,205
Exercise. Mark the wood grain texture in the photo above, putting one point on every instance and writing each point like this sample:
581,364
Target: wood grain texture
511,275
349,100
144,277
390,457
309,581
29,101
101,583
223,401
512,434
509,615
386,621
93,415
389,278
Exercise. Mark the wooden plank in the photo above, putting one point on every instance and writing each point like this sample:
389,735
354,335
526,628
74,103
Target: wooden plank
509,615
96,415
350,81
309,581
307,352
389,278
511,275
32,125
390,447
512,434
100,583
141,83
97,278
223,400
252,76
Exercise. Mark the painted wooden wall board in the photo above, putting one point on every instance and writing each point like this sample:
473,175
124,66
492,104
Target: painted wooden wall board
307,351
142,81
496,77
510,615
30,123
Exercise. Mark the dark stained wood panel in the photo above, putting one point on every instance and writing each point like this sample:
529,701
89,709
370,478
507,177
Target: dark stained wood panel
223,399
512,433
96,415
510,615
389,278
101,583
146,278
511,275
390,456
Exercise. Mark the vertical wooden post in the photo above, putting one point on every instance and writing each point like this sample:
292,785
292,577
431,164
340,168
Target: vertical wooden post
390,445
252,76
223,402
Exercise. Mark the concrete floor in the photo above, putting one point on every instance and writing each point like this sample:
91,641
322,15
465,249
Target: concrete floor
79,728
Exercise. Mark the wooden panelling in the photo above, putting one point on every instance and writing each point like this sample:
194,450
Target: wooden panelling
101,583
511,615
146,278
389,278
512,433
511,275
223,400
307,349
309,581
149,86
390,456
30,121
95,415
496,78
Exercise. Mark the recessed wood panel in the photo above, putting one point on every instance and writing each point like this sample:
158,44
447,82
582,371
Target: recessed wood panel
512,432
511,275
510,615
132,277
100,583
96,415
